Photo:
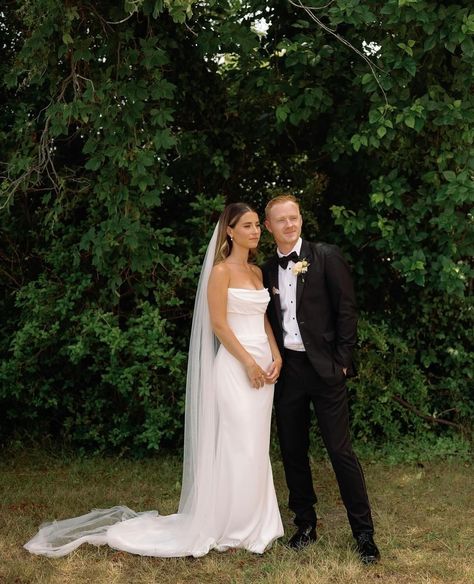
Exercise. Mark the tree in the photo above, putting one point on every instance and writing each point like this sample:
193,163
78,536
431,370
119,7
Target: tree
126,128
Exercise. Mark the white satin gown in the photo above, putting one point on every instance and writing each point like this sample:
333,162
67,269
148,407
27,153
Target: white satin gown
241,509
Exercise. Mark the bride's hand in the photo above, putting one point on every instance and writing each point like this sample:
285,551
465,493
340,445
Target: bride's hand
256,375
273,372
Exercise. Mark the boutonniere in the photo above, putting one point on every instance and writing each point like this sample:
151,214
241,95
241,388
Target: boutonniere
275,290
300,267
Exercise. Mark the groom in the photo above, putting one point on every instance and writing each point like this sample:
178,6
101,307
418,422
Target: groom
313,315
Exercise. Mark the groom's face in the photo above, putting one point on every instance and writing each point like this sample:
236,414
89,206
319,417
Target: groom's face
284,222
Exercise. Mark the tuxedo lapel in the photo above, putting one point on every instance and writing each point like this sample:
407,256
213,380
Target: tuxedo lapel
305,254
274,290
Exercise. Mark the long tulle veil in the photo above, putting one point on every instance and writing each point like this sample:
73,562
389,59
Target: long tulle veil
200,413
190,531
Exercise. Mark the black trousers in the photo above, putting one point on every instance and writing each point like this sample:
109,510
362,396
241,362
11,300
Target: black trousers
298,387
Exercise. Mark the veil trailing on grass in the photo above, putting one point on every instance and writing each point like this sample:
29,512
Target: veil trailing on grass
191,531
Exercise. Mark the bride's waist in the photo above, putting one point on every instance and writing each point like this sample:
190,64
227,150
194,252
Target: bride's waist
251,337
247,326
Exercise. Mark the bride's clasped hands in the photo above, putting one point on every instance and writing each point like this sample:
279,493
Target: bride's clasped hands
258,377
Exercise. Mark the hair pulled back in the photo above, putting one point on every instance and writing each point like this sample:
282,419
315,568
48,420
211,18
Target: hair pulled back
229,218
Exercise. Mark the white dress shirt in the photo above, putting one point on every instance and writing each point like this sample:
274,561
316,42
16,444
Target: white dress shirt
287,287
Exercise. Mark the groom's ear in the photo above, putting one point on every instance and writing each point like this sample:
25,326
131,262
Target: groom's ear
267,225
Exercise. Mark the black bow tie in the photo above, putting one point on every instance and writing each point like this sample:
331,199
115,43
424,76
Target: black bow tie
292,257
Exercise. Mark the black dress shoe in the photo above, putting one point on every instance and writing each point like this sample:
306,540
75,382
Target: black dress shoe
303,537
368,551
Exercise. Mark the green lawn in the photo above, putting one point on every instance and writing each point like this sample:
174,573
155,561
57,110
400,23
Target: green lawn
424,518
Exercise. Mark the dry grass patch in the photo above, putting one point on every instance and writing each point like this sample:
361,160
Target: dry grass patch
424,517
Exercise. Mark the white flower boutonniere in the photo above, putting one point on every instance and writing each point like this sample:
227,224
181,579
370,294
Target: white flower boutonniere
275,290
300,267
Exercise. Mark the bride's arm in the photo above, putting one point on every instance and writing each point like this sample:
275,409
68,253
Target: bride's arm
217,301
274,370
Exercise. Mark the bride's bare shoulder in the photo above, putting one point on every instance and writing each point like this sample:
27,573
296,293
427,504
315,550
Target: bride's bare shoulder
220,269
220,275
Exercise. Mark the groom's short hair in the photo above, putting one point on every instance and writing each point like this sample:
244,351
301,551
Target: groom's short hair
284,198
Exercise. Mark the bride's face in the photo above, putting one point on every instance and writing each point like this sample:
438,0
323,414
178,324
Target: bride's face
246,232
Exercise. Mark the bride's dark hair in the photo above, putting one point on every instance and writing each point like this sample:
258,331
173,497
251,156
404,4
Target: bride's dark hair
230,216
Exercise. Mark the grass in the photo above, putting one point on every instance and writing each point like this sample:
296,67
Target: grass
424,516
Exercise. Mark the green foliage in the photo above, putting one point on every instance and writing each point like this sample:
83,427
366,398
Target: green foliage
402,371
123,122
419,449
103,372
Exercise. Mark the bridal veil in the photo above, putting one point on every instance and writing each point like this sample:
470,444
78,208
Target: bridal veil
190,531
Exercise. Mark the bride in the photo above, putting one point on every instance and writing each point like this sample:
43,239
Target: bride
227,499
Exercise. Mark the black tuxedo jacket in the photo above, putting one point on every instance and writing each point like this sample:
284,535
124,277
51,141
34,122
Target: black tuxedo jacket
325,309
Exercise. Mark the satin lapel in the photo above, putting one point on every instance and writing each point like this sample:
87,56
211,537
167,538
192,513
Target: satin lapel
305,254
273,272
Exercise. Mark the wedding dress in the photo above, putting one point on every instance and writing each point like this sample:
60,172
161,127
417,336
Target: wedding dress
228,498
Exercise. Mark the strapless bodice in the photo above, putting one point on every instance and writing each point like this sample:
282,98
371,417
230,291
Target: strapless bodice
245,311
